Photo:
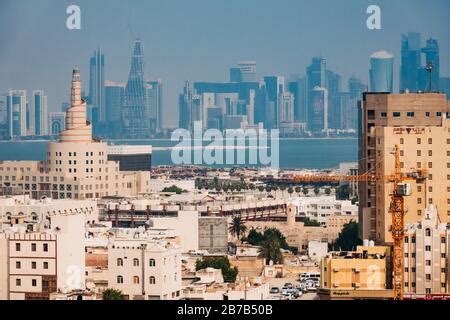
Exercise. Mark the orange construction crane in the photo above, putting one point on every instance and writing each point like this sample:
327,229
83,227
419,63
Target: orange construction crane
400,189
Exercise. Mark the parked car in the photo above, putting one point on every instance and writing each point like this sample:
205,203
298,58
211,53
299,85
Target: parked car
288,285
274,290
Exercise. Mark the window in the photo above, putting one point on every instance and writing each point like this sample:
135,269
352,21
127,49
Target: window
419,141
45,247
45,265
413,239
119,262
152,262
430,140
33,247
18,282
410,114
152,280
396,114
34,282
119,279
402,140
418,153
428,232
33,265
427,248
413,255
136,262
18,265
135,280
406,239
428,277
428,262
384,114
438,114
17,246
427,114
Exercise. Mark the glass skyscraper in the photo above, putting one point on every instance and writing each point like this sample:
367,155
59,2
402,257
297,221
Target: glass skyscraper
97,85
40,114
16,113
381,72
410,62
135,111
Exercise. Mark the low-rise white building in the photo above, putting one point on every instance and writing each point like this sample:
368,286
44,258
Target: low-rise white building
322,207
145,268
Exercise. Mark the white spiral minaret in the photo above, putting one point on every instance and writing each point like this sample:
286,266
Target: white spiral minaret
78,128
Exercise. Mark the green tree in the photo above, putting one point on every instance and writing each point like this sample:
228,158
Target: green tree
305,191
254,237
298,189
311,223
174,189
348,238
343,192
316,190
260,188
327,191
229,273
237,227
270,249
112,294
290,190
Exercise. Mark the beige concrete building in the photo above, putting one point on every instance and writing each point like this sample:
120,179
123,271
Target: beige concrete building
144,268
416,122
355,275
77,166
36,263
426,255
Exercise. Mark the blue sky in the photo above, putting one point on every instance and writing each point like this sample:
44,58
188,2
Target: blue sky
201,39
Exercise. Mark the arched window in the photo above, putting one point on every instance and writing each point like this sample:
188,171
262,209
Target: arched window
119,279
119,262
136,280
152,280
428,232
136,262
152,263
406,239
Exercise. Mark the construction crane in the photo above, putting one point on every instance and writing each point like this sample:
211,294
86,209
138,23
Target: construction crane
397,208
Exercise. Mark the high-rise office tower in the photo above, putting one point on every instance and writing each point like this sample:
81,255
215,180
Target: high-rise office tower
185,104
16,113
410,62
275,86
431,52
114,93
40,113
416,123
299,88
381,72
135,111
247,70
316,73
235,74
333,81
154,96
318,113
286,108
97,84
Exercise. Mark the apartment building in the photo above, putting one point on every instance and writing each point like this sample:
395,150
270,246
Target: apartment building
355,275
36,263
322,208
145,268
77,166
427,244
416,122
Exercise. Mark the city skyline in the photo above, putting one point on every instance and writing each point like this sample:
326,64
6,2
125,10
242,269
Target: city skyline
209,60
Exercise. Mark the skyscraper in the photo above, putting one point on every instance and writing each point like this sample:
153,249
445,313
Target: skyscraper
40,114
431,51
316,73
318,114
248,71
16,113
381,72
410,62
275,86
154,96
135,111
114,93
97,85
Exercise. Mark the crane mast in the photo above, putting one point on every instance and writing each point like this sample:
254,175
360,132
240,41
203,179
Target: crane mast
397,209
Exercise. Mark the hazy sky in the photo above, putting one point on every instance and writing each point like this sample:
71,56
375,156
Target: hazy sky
200,39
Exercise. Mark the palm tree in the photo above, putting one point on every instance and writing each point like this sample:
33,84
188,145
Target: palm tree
316,190
290,190
112,294
270,250
237,227
298,190
327,191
